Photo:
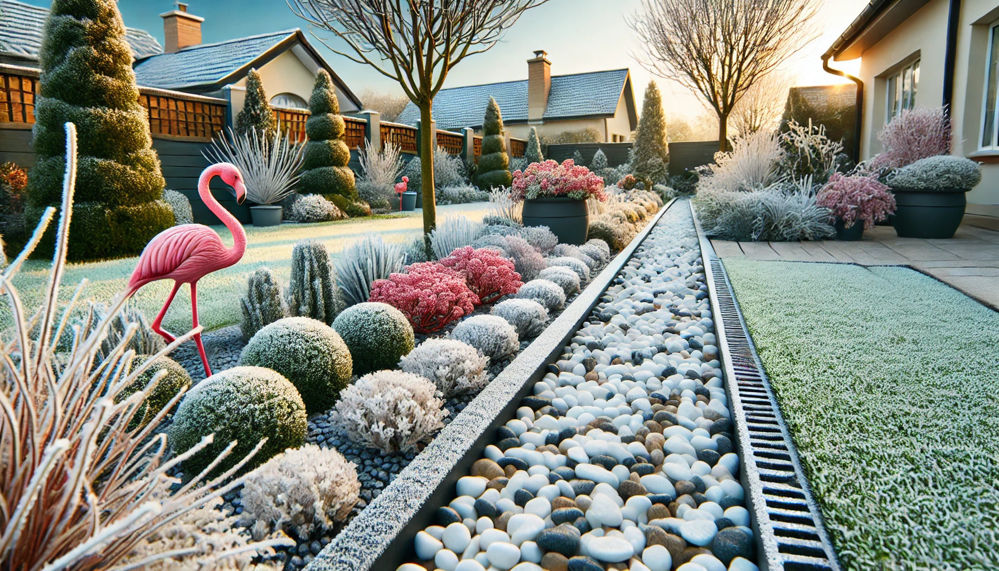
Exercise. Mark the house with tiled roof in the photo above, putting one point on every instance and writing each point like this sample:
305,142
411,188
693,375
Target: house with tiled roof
598,100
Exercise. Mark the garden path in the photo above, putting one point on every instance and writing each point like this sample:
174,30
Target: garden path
969,261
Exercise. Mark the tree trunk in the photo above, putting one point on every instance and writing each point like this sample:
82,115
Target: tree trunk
427,145
723,132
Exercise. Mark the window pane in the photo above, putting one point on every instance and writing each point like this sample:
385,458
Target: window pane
907,88
890,98
915,83
989,128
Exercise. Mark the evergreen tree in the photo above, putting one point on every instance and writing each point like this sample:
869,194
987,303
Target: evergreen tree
87,79
494,163
651,153
533,152
577,158
256,112
599,161
325,170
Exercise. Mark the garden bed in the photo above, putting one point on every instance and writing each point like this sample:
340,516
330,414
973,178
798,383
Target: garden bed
891,407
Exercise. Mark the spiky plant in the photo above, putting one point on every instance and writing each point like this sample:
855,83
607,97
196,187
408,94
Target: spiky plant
453,233
313,292
263,304
83,485
362,263
269,164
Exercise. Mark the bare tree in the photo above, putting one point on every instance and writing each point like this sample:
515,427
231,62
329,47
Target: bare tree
720,48
762,105
414,42
687,128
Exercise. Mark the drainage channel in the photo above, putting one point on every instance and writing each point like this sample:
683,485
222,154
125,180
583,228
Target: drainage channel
786,518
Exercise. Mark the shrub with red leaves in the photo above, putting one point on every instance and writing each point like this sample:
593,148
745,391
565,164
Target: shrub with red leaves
428,294
489,274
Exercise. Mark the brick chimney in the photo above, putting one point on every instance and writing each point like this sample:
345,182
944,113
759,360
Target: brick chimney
180,29
539,84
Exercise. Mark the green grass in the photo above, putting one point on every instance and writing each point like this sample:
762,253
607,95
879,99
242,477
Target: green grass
888,380
219,293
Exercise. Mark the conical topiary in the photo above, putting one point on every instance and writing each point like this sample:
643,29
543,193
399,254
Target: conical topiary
256,113
325,169
651,153
494,163
87,79
577,158
533,152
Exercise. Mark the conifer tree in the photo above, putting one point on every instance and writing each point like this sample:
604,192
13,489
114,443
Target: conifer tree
599,161
577,158
87,79
651,153
256,112
325,169
533,153
494,163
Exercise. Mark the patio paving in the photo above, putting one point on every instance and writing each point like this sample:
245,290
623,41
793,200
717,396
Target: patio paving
968,262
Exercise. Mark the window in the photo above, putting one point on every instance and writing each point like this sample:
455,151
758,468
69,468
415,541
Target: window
989,122
289,101
901,92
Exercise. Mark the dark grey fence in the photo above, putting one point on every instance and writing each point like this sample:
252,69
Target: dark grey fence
617,153
689,155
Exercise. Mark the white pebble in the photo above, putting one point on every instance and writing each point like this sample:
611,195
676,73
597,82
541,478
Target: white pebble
503,555
456,537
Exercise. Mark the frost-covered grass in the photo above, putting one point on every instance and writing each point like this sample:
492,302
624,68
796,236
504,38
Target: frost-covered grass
888,381
219,293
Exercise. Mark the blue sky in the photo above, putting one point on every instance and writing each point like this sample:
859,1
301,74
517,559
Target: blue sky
579,35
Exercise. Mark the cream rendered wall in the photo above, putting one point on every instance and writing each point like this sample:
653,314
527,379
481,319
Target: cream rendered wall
925,33
552,128
619,124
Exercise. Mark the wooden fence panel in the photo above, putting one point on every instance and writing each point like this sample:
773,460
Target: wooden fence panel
518,147
355,134
403,136
453,143
291,122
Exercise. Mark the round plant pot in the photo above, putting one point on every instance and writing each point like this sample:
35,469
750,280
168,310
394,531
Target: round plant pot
567,218
409,200
419,198
266,215
928,214
851,234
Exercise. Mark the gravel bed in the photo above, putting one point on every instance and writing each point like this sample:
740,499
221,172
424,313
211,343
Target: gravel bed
623,457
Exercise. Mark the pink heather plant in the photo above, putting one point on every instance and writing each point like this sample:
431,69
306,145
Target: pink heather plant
856,198
915,134
489,275
429,295
550,179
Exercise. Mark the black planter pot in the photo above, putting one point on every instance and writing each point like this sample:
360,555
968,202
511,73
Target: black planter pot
266,214
204,216
851,234
409,200
928,214
567,218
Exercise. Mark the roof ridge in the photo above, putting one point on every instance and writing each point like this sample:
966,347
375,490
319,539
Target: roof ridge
524,80
234,40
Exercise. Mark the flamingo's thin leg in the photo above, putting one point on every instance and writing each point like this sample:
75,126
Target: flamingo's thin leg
159,318
197,336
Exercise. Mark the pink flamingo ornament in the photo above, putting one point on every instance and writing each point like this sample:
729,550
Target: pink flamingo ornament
188,252
400,187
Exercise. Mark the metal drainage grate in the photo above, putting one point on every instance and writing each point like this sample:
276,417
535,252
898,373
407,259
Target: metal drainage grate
786,518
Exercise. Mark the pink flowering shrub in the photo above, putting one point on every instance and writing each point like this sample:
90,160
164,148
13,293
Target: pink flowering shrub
428,294
915,134
550,179
489,275
856,199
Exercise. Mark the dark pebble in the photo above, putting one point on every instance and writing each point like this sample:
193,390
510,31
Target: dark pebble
445,516
643,468
566,433
581,563
502,433
522,496
582,486
721,426
566,515
485,508
730,543
603,460
724,522
535,403
724,445
629,488
562,539
515,462
708,456
508,443
565,472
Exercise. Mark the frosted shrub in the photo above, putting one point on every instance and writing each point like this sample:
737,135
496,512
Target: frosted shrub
855,199
567,279
449,170
310,208
181,206
306,352
415,251
752,163
245,404
120,323
428,294
496,220
596,249
171,378
616,234
262,304
454,367
774,213
574,264
377,335
491,335
599,161
915,134
503,204
489,275
540,237
381,169
460,194
299,491
943,173
548,293
495,242
527,260
809,152
452,234
363,262
571,251
527,316
313,292
600,245
390,410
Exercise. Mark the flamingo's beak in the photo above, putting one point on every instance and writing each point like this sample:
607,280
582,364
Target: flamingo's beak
240,192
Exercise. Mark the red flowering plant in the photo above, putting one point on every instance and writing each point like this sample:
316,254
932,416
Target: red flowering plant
855,199
428,294
550,179
628,182
489,275
13,180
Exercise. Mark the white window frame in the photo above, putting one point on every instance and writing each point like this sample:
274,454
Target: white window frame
893,94
992,145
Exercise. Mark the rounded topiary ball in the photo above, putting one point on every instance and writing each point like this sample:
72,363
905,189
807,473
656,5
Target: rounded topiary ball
377,334
174,380
243,404
308,353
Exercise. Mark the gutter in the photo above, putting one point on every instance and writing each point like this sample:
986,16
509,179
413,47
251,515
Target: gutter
859,124
950,56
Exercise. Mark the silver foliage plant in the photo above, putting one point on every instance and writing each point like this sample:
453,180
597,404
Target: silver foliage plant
491,335
363,262
270,165
527,316
262,304
548,293
312,291
565,278
779,212
455,232
453,366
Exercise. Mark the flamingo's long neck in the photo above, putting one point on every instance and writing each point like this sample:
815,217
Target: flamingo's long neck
235,228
